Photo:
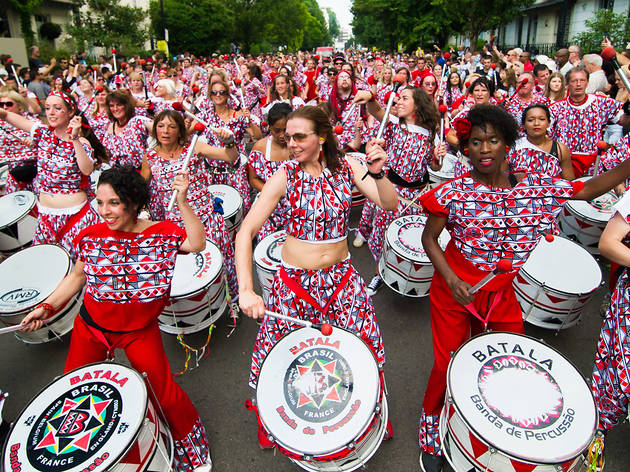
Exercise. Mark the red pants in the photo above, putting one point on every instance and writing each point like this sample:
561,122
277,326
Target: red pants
581,163
452,324
145,352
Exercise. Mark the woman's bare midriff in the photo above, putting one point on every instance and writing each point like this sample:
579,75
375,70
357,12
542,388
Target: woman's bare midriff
313,256
62,201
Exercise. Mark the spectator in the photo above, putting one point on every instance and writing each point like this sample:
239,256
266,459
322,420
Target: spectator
34,62
37,86
562,61
597,81
542,72
525,57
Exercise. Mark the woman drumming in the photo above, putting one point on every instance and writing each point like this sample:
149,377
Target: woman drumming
282,92
117,314
267,156
126,135
141,94
409,140
536,151
14,149
316,262
65,161
481,235
162,163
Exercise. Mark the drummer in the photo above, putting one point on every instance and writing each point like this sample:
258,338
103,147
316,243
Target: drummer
67,151
610,382
316,270
117,313
479,209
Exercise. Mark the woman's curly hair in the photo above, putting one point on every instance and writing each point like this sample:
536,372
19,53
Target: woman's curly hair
129,185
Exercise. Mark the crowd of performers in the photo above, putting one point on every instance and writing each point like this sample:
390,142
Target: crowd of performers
294,135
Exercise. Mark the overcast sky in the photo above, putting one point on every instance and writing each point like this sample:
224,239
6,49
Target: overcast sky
342,9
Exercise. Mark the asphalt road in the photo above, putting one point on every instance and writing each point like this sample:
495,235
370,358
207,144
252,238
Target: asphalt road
219,387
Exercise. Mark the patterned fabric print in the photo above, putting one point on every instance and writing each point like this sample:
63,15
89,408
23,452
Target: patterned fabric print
611,377
352,310
128,145
319,207
57,170
237,125
615,155
253,92
184,92
112,278
488,224
452,95
48,226
193,450
82,103
264,169
516,105
13,152
325,88
200,200
351,118
580,127
526,157
430,434
409,149
381,94
159,104
366,223
99,124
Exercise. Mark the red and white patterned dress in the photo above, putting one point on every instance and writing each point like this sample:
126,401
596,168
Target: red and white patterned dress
14,152
199,198
611,378
128,145
350,115
319,211
123,299
529,158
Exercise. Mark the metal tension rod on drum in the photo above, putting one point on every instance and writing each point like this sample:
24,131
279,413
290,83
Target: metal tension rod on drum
325,328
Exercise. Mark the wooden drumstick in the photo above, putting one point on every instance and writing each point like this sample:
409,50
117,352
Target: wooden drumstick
410,203
191,150
503,266
18,327
601,147
325,328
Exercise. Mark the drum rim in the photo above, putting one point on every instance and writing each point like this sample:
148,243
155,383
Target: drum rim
239,207
197,291
404,256
380,390
77,301
471,428
131,442
570,206
18,219
256,263
68,270
555,290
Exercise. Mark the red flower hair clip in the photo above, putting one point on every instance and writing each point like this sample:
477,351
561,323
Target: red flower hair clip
462,129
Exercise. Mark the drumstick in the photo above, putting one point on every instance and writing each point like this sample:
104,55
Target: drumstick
503,266
410,203
237,84
325,328
18,327
601,147
178,106
191,150
339,128
398,81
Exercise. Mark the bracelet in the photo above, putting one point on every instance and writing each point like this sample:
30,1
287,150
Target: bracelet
46,306
377,176
74,139
229,145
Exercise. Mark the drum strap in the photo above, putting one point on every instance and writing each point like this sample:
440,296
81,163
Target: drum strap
296,288
497,298
74,219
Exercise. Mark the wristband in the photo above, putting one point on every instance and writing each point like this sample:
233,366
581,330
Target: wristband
377,176
229,145
46,306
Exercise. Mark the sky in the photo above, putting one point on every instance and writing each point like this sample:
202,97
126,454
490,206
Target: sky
341,9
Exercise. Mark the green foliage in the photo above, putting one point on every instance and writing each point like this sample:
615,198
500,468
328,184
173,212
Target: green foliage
604,23
108,24
50,31
25,9
333,24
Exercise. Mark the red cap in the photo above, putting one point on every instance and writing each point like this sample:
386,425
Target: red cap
316,57
442,108
326,329
602,145
177,106
609,53
149,59
447,55
549,237
338,129
113,51
199,127
237,81
504,265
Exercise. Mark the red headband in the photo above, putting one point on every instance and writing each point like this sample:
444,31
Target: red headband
67,100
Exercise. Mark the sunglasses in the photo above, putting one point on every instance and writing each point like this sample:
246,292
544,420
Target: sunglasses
297,137
6,104
330,74
218,92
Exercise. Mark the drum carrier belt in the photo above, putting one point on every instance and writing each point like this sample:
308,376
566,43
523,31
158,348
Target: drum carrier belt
398,180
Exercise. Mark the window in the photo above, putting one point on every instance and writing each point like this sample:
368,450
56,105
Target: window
5,31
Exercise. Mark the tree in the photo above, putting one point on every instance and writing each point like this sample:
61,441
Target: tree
605,23
199,26
108,24
25,9
316,33
333,24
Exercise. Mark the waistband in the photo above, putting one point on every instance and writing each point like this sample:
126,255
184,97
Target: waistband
44,210
338,265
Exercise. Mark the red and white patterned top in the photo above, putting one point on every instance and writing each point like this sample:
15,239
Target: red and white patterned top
237,125
319,206
128,275
11,146
57,170
350,115
128,145
529,158
515,105
580,127
488,224
616,154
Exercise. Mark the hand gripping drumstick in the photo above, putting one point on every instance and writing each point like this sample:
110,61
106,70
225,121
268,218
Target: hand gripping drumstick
503,266
325,328
339,128
601,147
237,84
398,81
610,55
98,89
18,327
508,99
191,150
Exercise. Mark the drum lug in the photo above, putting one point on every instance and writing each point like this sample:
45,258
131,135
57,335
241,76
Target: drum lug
308,458
558,468
492,450
377,409
351,445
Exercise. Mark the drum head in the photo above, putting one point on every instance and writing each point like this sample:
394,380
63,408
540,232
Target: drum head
447,171
522,397
564,266
597,210
268,252
317,393
195,271
22,283
232,200
14,206
88,416
404,235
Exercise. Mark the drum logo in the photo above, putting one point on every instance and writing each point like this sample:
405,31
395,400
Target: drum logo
500,375
74,427
19,295
318,385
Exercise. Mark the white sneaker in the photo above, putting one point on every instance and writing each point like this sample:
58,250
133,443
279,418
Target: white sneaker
207,467
358,240
374,285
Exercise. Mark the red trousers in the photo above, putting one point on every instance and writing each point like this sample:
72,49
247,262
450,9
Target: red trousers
452,324
145,352
581,163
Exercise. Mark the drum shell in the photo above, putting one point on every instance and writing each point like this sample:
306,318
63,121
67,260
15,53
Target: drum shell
232,218
585,231
358,198
19,234
269,262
